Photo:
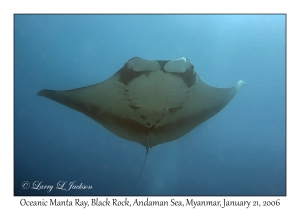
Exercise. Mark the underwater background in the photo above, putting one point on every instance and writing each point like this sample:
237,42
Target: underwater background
239,151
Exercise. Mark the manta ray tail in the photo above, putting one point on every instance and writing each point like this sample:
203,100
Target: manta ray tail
144,161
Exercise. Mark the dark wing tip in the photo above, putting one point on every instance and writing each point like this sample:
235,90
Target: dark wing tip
41,92
46,93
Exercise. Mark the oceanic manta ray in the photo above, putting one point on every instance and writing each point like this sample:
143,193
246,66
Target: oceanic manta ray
149,101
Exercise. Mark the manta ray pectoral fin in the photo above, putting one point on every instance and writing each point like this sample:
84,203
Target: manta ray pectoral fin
83,99
62,98
239,84
59,97
52,94
205,102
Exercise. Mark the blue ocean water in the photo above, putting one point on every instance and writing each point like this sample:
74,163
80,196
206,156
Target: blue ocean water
239,151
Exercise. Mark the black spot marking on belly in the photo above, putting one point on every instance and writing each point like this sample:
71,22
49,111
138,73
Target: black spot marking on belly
143,116
172,110
134,107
